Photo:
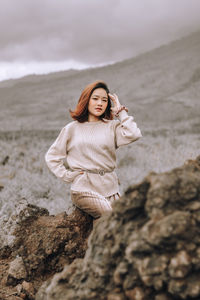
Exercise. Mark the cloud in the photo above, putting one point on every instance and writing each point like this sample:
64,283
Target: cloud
20,69
91,31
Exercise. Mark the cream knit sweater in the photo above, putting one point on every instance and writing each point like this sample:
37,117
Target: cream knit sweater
91,146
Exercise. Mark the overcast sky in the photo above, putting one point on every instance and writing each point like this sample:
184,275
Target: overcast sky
40,36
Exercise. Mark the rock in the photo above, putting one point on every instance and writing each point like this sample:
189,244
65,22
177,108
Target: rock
135,294
16,271
19,289
5,160
163,297
39,245
1,185
147,248
47,243
180,265
23,213
28,290
114,296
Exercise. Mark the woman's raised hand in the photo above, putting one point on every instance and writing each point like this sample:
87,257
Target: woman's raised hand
116,102
117,108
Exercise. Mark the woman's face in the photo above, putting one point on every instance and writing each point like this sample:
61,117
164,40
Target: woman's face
97,104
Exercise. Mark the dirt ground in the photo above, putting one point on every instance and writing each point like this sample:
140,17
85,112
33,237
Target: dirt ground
6,292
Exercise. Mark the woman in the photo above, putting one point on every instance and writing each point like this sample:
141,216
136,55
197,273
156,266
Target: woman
89,145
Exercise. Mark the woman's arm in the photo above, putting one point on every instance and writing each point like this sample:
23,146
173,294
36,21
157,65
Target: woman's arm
55,155
126,130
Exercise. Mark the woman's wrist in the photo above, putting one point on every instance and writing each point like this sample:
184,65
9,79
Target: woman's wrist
119,109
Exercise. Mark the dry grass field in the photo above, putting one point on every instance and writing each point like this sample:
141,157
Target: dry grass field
161,89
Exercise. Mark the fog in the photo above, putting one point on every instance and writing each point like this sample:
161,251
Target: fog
88,33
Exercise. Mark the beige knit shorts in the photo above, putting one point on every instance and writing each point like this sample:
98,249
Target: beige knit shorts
93,203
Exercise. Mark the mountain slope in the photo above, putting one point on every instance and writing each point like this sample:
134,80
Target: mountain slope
161,88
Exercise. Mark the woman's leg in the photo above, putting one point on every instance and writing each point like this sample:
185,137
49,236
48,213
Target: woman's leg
92,203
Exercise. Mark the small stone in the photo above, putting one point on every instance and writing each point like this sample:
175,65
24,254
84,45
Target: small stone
180,265
190,247
19,289
119,273
114,296
162,297
135,294
5,160
195,205
158,284
177,286
28,289
16,271
1,186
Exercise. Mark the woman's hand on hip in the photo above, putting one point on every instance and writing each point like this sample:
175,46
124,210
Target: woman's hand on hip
73,174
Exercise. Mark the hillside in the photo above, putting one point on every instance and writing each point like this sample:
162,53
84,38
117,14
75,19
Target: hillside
160,87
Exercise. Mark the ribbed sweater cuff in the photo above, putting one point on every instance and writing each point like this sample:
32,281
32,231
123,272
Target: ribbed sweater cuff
123,115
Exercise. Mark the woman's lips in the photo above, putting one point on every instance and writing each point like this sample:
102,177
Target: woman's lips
99,109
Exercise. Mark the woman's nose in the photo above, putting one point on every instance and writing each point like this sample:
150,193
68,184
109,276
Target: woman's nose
99,102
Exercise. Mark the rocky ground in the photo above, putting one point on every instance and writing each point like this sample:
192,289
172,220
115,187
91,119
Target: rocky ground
36,245
148,248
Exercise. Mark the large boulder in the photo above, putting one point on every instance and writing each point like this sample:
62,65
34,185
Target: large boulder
147,248
36,245
47,243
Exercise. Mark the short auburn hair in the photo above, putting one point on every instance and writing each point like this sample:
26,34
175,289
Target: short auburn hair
81,111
